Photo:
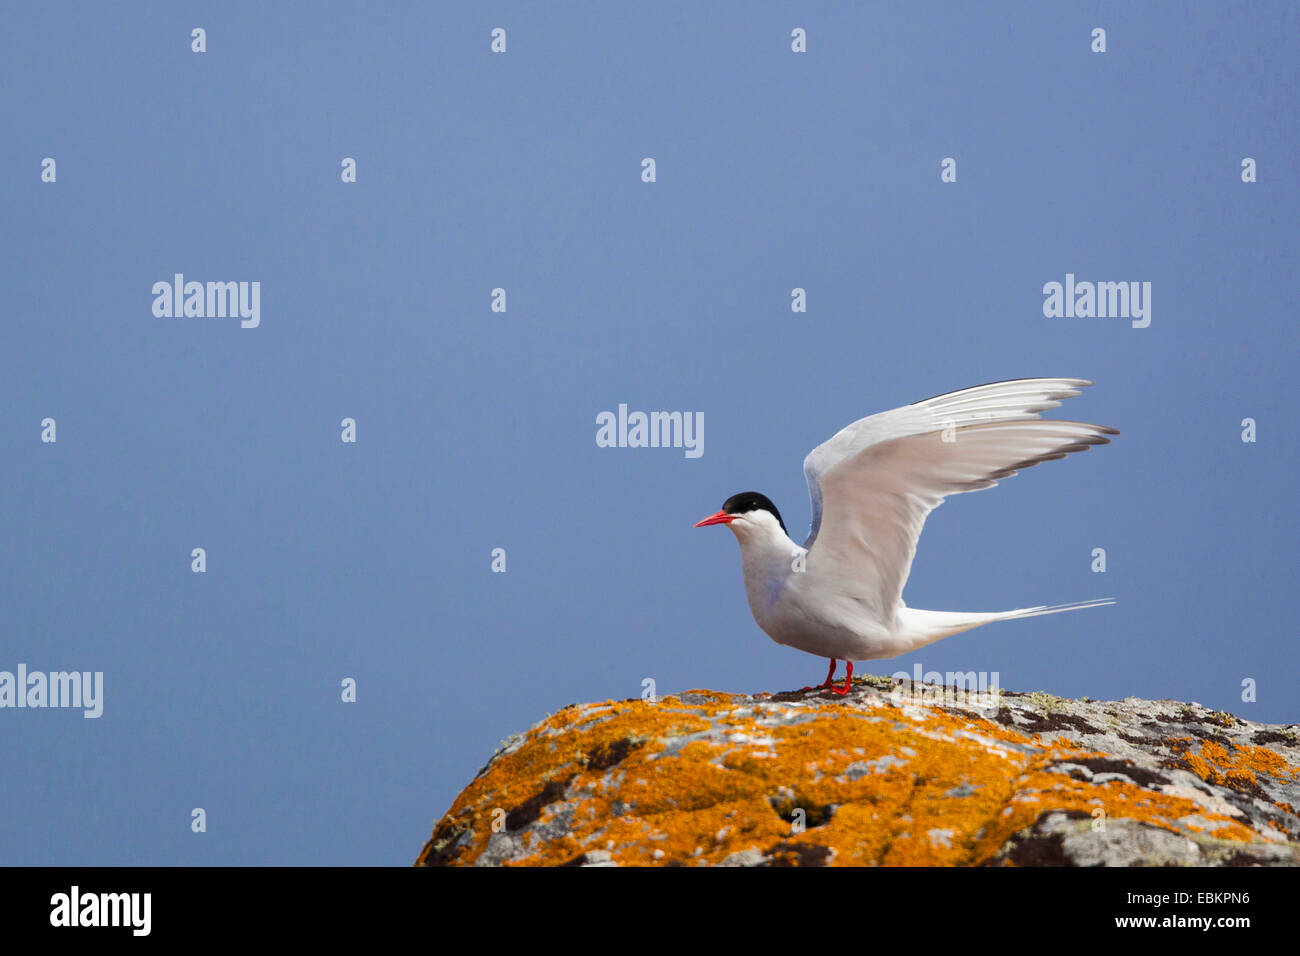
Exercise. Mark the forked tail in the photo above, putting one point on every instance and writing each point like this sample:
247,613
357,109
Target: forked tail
925,627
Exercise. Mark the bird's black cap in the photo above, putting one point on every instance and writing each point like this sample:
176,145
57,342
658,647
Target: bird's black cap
752,501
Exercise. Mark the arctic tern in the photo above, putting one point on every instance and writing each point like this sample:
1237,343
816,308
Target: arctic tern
872,486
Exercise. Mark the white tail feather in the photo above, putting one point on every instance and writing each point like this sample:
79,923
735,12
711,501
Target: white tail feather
1053,609
925,627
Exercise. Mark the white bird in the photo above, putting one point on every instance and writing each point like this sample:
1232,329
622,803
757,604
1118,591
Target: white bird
872,486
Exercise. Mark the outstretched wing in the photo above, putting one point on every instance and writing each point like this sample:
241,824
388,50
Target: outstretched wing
873,483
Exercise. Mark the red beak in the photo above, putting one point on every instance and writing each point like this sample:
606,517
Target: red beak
720,518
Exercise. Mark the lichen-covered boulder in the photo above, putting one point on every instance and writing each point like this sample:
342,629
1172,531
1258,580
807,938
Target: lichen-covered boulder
884,776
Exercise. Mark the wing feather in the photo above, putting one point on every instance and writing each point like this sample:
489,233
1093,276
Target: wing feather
873,483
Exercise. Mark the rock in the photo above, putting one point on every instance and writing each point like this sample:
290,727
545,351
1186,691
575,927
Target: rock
883,776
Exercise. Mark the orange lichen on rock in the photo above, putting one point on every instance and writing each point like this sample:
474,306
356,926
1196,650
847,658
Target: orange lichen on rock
706,778
1236,767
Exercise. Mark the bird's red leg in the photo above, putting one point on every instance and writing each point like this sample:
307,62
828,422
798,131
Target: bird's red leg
848,681
830,674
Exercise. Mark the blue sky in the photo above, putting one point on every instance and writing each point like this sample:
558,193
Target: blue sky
476,429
